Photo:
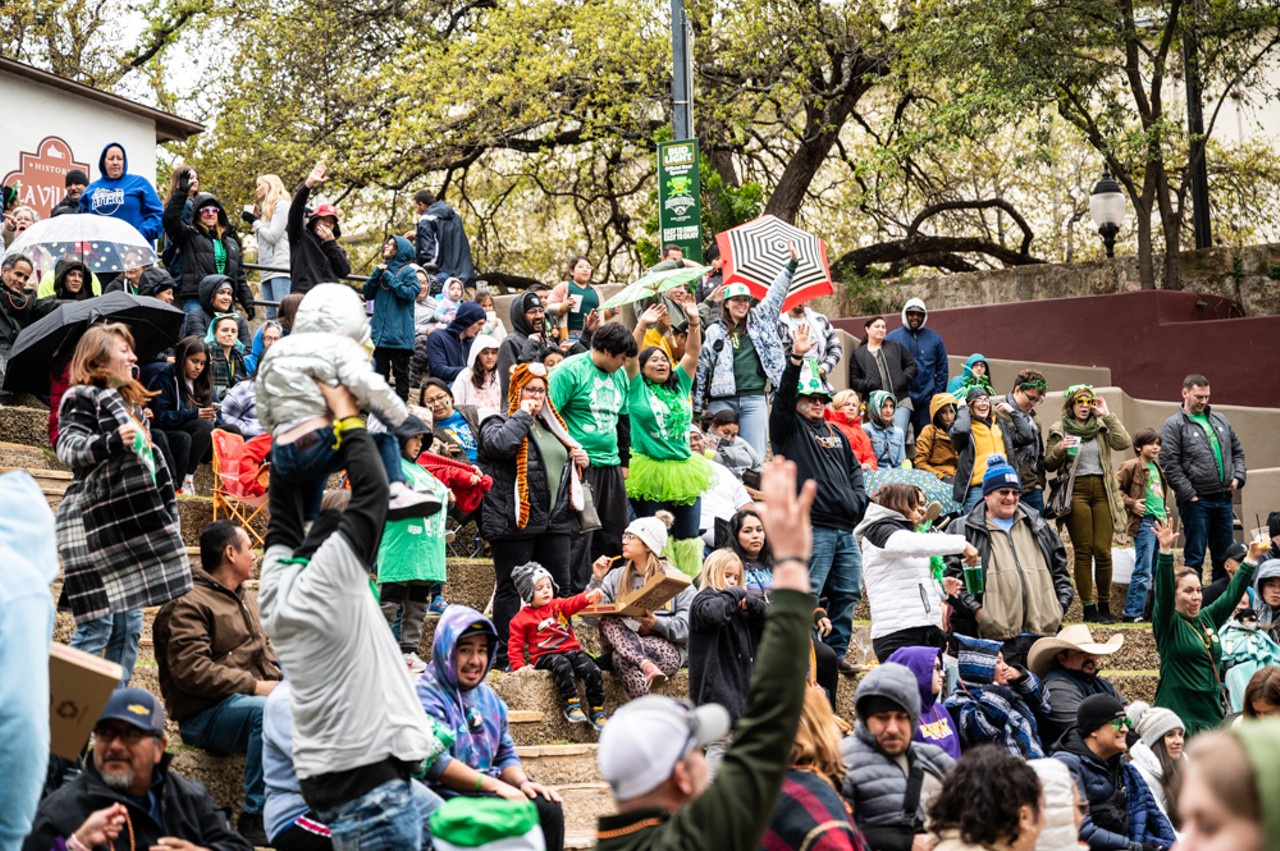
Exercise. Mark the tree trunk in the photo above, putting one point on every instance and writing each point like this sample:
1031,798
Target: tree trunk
1170,224
1146,262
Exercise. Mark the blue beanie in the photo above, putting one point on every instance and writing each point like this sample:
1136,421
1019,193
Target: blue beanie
977,659
999,475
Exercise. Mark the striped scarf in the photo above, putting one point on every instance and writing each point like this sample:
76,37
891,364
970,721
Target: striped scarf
521,375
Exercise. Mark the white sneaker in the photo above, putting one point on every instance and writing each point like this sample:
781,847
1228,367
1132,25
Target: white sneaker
415,663
188,486
409,503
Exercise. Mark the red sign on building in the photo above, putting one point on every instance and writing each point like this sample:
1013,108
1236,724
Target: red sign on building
42,175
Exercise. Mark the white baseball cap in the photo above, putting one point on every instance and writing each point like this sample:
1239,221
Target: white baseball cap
644,740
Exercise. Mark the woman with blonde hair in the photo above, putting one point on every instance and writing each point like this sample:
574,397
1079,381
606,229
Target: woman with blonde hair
810,812
118,521
648,649
268,219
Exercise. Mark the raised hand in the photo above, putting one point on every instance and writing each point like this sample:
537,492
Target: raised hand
802,343
1165,535
318,174
792,250
341,401
654,315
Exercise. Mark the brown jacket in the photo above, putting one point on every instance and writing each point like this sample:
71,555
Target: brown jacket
1132,480
209,645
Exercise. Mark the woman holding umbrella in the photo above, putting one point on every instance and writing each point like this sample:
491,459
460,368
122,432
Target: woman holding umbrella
118,522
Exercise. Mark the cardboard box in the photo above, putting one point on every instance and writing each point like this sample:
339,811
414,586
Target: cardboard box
649,597
79,685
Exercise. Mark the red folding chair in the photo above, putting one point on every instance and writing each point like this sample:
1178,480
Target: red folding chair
241,475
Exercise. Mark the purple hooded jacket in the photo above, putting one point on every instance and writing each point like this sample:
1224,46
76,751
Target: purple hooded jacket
936,726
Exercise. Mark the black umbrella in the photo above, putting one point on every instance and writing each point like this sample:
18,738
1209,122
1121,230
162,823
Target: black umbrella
154,324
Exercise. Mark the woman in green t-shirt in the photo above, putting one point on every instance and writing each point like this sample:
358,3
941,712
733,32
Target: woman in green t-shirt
664,473
575,298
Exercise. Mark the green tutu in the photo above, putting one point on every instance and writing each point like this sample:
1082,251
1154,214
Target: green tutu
679,482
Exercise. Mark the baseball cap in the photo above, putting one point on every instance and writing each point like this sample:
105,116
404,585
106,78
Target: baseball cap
135,706
644,740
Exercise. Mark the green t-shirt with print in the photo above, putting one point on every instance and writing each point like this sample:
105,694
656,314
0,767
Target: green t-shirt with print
590,400
1202,420
1155,492
660,418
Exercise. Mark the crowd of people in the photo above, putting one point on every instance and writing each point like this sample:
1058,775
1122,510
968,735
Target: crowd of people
601,464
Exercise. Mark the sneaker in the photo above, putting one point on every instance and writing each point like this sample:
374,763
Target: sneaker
573,712
249,825
1133,618
407,504
653,675
414,663
438,605
188,486
598,717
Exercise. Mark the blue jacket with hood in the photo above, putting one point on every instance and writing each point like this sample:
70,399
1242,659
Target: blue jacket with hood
128,197
393,291
446,350
477,717
936,726
928,351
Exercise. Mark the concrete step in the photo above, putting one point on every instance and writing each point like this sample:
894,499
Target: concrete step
24,425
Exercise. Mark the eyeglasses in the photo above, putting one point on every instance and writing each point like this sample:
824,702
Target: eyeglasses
127,735
534,391
1008,492
436,401
204,211
1120,723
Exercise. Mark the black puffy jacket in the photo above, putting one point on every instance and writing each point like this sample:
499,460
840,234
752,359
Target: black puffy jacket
196,247
498,443
1187,458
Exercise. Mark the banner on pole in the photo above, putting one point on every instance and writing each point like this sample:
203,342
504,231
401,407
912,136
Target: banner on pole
680,197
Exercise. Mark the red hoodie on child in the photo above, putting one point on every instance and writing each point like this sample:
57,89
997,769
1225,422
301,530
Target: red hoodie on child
544,630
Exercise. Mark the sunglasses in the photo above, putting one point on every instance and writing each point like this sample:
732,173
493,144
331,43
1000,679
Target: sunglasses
127,735
1120,723
204,211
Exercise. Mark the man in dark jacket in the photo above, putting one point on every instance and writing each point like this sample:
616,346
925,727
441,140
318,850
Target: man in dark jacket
1067,665
651,750
1204,464
216,666
447,350
76,181
127,790
1123,814
930,355
1026,586
889,778
1016,414
822,453
441,244
19,306
314,254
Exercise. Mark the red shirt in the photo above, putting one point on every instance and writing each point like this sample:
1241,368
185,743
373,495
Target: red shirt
544,630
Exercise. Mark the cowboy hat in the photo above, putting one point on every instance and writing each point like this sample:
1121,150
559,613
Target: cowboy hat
1075,637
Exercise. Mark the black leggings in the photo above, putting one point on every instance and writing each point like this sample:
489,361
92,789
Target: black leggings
916,636
826,670
569,667
388,362
191,444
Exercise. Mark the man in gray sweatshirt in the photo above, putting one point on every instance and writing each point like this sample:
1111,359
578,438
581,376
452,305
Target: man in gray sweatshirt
359,731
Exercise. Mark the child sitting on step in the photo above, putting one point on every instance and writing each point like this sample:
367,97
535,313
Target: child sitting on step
542,627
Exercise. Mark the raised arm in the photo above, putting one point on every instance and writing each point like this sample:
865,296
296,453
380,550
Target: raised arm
653,315
693,343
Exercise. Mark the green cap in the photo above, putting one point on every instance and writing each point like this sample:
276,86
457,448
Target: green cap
465,822
737,291
811,383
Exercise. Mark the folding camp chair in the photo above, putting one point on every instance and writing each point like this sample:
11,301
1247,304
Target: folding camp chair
240,478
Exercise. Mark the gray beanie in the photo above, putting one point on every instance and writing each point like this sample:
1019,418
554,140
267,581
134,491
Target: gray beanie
1153,722
526,576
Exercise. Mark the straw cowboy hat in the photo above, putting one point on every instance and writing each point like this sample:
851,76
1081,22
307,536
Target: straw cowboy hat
1075,637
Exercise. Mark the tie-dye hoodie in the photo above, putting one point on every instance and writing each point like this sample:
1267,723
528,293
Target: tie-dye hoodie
936,726
477,717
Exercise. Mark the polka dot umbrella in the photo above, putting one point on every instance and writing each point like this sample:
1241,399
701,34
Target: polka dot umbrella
102,243
754,253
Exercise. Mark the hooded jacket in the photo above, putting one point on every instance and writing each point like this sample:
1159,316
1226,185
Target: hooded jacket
127,197
1188,458
966,380
935,453
1028,592
550,514
187,810
477,717
715,364
465,392
89,286
1261,740
196,323
1122,810
852,430
1268,618
446,350
326,344
442,243
723,640
525,343
926,348
874,782
887,440
935,726
962,439
393,291
1008,716
195,244
1144,759
312,260
897,571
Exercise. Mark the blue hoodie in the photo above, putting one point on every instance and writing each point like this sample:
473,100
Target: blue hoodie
128,197
477,717
393,291
446,350
966,380
936,726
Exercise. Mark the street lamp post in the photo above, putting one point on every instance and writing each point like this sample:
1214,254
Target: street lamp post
1107,207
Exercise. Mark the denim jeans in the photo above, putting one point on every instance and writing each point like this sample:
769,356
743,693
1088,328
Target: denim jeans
753,419
392,816
835,571
1144,551
972,498
233,725
1207,522
311,467
118,634
902,419
274,289
1034,498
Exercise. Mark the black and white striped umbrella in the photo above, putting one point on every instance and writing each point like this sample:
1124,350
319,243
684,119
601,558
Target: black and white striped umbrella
755,252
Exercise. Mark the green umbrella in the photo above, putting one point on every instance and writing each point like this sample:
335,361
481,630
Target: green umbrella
654,283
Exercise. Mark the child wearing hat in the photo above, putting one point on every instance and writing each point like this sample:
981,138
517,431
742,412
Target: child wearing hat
645,650
542,628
